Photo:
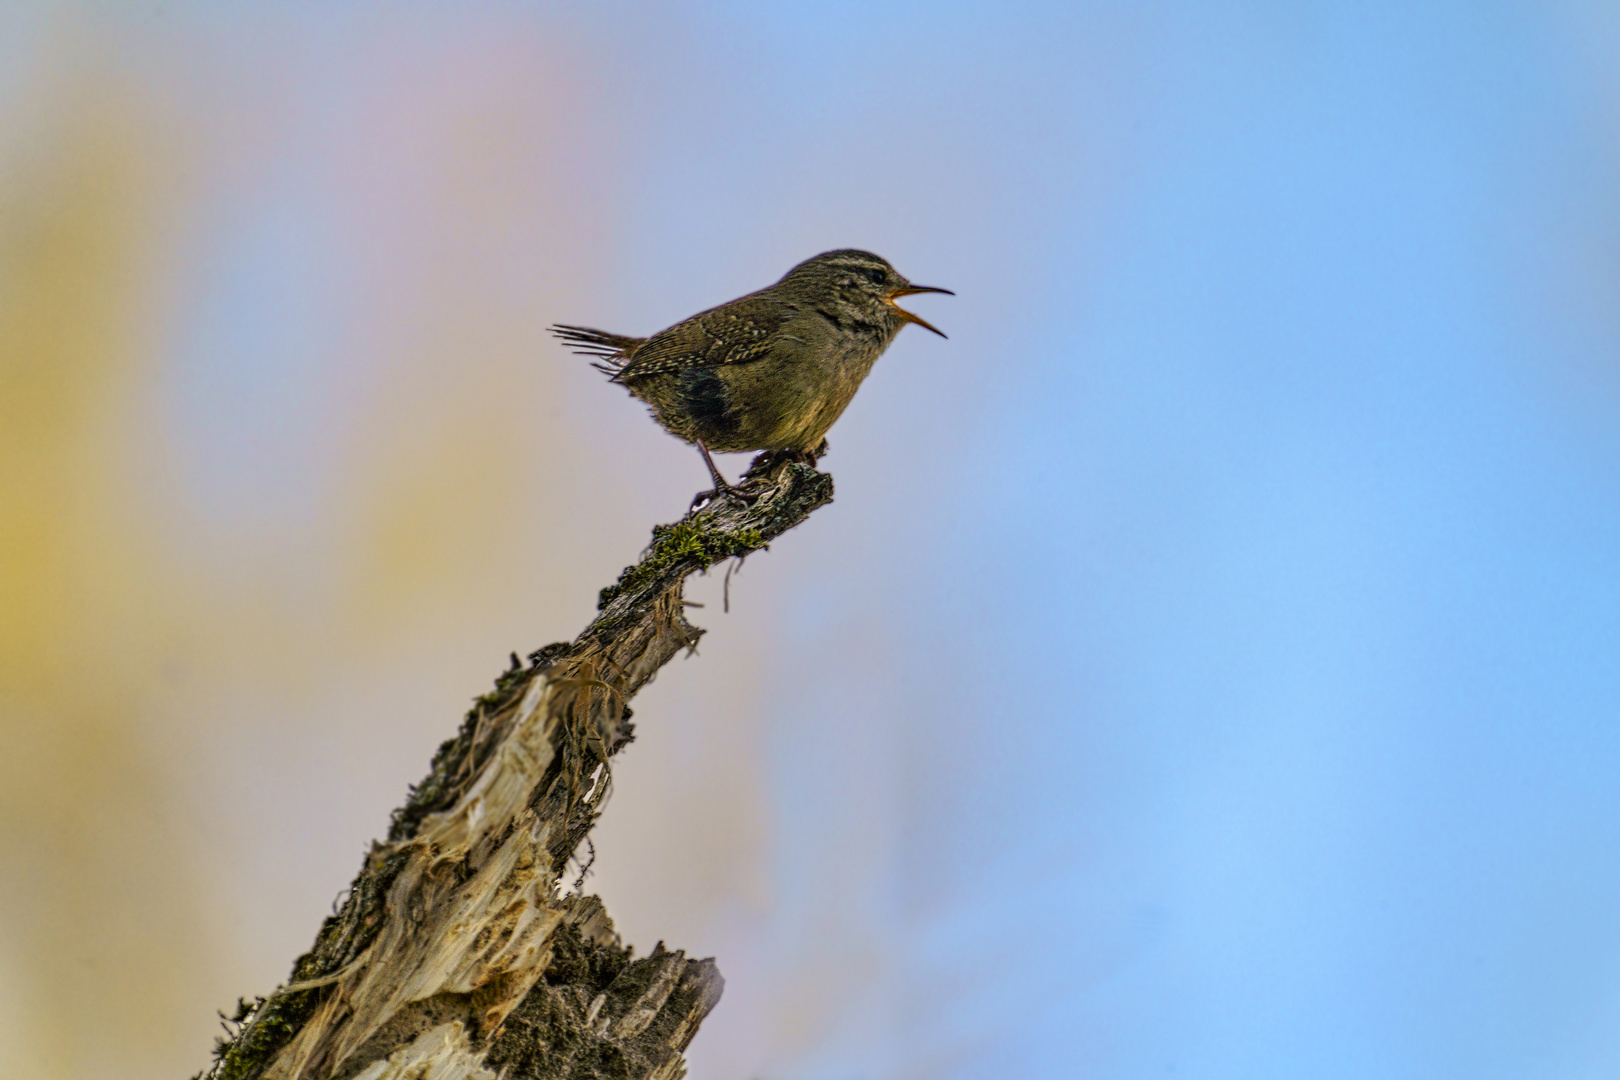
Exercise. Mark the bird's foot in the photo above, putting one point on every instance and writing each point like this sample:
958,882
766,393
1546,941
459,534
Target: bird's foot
768,462
740,492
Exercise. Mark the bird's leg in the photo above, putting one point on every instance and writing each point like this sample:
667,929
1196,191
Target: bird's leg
714,470
720,485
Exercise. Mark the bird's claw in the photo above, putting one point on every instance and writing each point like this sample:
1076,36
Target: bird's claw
771,460
740,492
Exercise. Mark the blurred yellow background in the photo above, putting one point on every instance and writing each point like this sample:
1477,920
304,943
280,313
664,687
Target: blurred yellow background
198,661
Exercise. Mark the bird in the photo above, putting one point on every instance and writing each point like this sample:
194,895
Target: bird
768,371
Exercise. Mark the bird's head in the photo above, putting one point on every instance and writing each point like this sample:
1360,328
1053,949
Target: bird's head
862,281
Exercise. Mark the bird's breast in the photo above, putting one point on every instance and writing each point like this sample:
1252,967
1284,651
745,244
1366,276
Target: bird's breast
814,383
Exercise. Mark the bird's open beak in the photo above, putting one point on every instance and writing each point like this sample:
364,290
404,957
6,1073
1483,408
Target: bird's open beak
912,290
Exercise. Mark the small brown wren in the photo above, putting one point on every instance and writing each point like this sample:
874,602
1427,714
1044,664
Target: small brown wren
768,371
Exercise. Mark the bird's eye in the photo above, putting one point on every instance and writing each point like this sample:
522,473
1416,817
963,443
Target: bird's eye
877,275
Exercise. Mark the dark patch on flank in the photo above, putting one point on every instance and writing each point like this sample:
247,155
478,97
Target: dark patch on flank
707,400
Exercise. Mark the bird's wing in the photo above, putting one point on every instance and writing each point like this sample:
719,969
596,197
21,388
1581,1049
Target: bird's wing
733,333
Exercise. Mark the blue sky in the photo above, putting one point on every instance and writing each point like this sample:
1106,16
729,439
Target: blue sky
1259,688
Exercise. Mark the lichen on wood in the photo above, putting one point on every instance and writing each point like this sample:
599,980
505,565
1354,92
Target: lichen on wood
456,953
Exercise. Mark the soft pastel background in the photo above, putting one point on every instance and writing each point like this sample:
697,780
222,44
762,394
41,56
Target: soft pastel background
1210,667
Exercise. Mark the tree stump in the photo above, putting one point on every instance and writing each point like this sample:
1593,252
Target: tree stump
457,955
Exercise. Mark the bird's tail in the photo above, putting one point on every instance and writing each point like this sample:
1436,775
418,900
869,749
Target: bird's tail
611,351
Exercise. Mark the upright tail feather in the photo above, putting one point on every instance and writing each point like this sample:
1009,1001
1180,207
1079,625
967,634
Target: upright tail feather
612,351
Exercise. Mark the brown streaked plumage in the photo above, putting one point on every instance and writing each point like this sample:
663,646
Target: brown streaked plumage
768,371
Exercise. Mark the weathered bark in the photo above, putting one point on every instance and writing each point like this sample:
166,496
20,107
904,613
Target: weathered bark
456,956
